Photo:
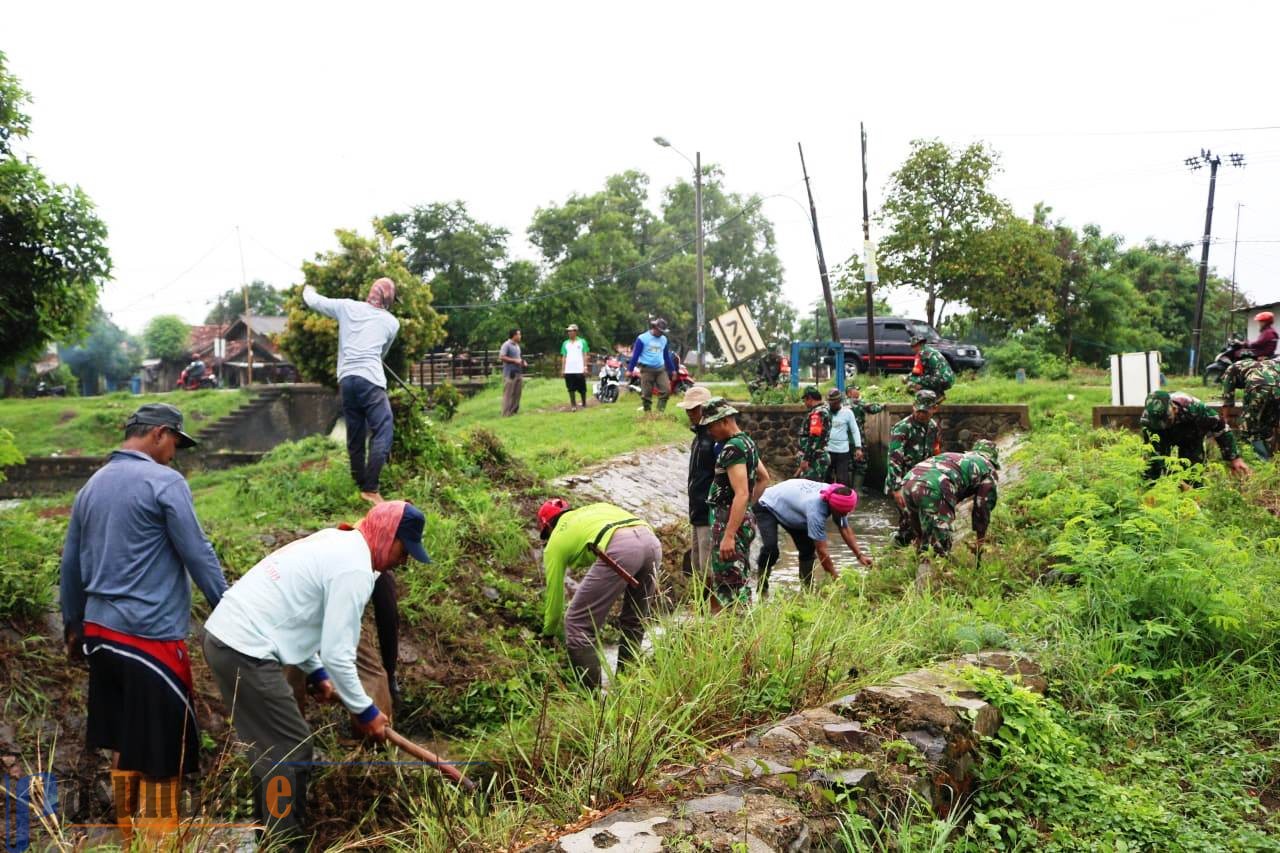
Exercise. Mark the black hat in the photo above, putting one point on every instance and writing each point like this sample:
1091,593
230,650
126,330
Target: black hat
161,414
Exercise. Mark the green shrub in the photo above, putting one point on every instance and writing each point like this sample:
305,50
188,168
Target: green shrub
445,400
29,557
1005,359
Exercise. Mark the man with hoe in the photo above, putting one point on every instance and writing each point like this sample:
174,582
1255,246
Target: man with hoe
1180,423
575,361
911,440
624,555
702,470
931,371
653,362
802,507
302,606
934,488
132,540
815,433
366,331
739,479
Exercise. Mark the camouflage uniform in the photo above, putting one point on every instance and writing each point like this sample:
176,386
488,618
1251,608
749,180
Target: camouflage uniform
860,411
729,577
815,433
910,442
1261,383
931,372
1180,422
936,486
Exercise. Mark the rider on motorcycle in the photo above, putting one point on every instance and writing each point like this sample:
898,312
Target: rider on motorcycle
1264,345
195,370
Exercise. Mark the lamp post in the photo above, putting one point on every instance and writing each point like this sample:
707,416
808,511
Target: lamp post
700,316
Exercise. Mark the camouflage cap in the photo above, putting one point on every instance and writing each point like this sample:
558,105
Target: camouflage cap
716,409
987,448
812,393
918,338
925,400
1157,408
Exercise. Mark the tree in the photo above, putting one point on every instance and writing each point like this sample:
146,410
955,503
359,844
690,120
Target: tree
107,351
168,338
264,301
461,258
311,340
53,253
936,206
1013,273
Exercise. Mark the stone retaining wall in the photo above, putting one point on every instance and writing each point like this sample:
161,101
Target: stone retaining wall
1127,417
54,475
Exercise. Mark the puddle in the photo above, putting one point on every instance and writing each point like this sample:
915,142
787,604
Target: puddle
874,523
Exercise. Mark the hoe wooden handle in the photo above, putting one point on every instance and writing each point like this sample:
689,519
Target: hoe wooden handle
423,754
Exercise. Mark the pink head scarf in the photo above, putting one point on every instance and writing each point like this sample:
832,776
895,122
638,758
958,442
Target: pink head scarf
841,503
382,293
379,530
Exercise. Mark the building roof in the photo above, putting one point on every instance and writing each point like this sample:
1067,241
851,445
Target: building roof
263,325
203,336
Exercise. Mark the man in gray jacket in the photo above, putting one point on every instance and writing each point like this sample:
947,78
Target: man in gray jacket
132,540
366,331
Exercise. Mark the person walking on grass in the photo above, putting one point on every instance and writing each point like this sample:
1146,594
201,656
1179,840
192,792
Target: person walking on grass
740,477
653,362
860,409
815,432
302,606
132,540
512,373
802,507
596,535
702,470
366,331
845,441
575,361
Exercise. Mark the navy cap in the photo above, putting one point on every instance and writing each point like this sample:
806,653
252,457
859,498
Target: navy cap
161,414
412,523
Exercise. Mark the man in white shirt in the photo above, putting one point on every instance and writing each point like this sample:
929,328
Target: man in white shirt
574,355
302,606
366,331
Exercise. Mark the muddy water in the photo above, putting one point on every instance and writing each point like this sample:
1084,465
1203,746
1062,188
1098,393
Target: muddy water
874,522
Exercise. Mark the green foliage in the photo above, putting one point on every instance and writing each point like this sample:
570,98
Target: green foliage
53,252
311,340
29,548
168,337
9,452
264,301
1005,360
445,399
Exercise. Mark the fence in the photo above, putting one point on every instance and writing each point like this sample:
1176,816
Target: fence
464,367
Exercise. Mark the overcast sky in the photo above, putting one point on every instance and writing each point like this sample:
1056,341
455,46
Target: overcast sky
292,119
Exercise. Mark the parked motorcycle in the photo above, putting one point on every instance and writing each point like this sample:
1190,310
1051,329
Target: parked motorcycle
682,381
188,381
609,381
44,389
1235,350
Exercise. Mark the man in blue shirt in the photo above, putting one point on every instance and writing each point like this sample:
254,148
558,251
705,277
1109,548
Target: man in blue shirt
132,540
802,507
845,444
652,361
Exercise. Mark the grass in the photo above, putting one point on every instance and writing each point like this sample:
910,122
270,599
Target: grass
93,426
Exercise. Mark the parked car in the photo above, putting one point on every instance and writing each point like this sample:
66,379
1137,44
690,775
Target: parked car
893,345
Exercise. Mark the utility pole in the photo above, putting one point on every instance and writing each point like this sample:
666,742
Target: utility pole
869,276
248,318
1231,309
1195,163
817,242
702,283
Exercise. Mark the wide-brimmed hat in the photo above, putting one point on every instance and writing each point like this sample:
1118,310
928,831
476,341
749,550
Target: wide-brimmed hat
698,395
161,414
572,327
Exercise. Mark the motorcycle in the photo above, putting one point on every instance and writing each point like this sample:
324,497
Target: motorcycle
1235,350
44,389
205,380
681,381
609,380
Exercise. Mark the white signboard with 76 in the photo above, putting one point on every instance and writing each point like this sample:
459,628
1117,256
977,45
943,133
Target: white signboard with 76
736,333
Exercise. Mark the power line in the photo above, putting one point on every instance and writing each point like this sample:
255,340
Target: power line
180,275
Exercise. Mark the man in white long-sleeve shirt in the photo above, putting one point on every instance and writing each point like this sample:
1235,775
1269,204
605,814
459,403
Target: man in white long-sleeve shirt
366,331
302,606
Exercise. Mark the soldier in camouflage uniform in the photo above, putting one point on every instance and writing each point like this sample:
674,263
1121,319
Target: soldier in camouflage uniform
740,477
912,440
931,371
1180,422
860,411
815,432
1261,383
934,488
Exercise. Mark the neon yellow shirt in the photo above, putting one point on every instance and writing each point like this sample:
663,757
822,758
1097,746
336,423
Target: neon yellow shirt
567,548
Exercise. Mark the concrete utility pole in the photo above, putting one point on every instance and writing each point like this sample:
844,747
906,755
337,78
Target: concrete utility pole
1195,163
817,242
869,276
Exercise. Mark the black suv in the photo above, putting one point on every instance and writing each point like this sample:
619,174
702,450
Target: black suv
893,345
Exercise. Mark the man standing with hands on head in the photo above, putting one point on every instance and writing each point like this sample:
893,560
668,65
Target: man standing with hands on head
132,540
512,377
366,331
575,358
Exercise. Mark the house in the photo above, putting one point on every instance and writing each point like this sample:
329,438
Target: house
1251,325
263,359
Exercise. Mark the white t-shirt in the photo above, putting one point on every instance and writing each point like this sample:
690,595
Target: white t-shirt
302,606
573,355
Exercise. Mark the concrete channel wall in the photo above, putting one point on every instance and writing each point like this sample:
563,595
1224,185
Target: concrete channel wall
1127,417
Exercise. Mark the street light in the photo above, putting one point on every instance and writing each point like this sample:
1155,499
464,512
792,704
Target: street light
697,215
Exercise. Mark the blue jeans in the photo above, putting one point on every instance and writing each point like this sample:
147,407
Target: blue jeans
367,412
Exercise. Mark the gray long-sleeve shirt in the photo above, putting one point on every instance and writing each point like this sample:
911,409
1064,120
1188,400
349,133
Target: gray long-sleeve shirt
365,334
132,539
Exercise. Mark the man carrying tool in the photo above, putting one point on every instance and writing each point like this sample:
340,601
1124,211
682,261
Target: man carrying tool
653,362
702,470
931,370
740,477
624,555
302,606
1261,383
132,540
366,331
934,488
845,441
802,507
912,440
1180,423
815,433
860,410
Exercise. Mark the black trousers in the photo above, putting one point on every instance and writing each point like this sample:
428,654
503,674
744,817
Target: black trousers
576,383
841,472
767,524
